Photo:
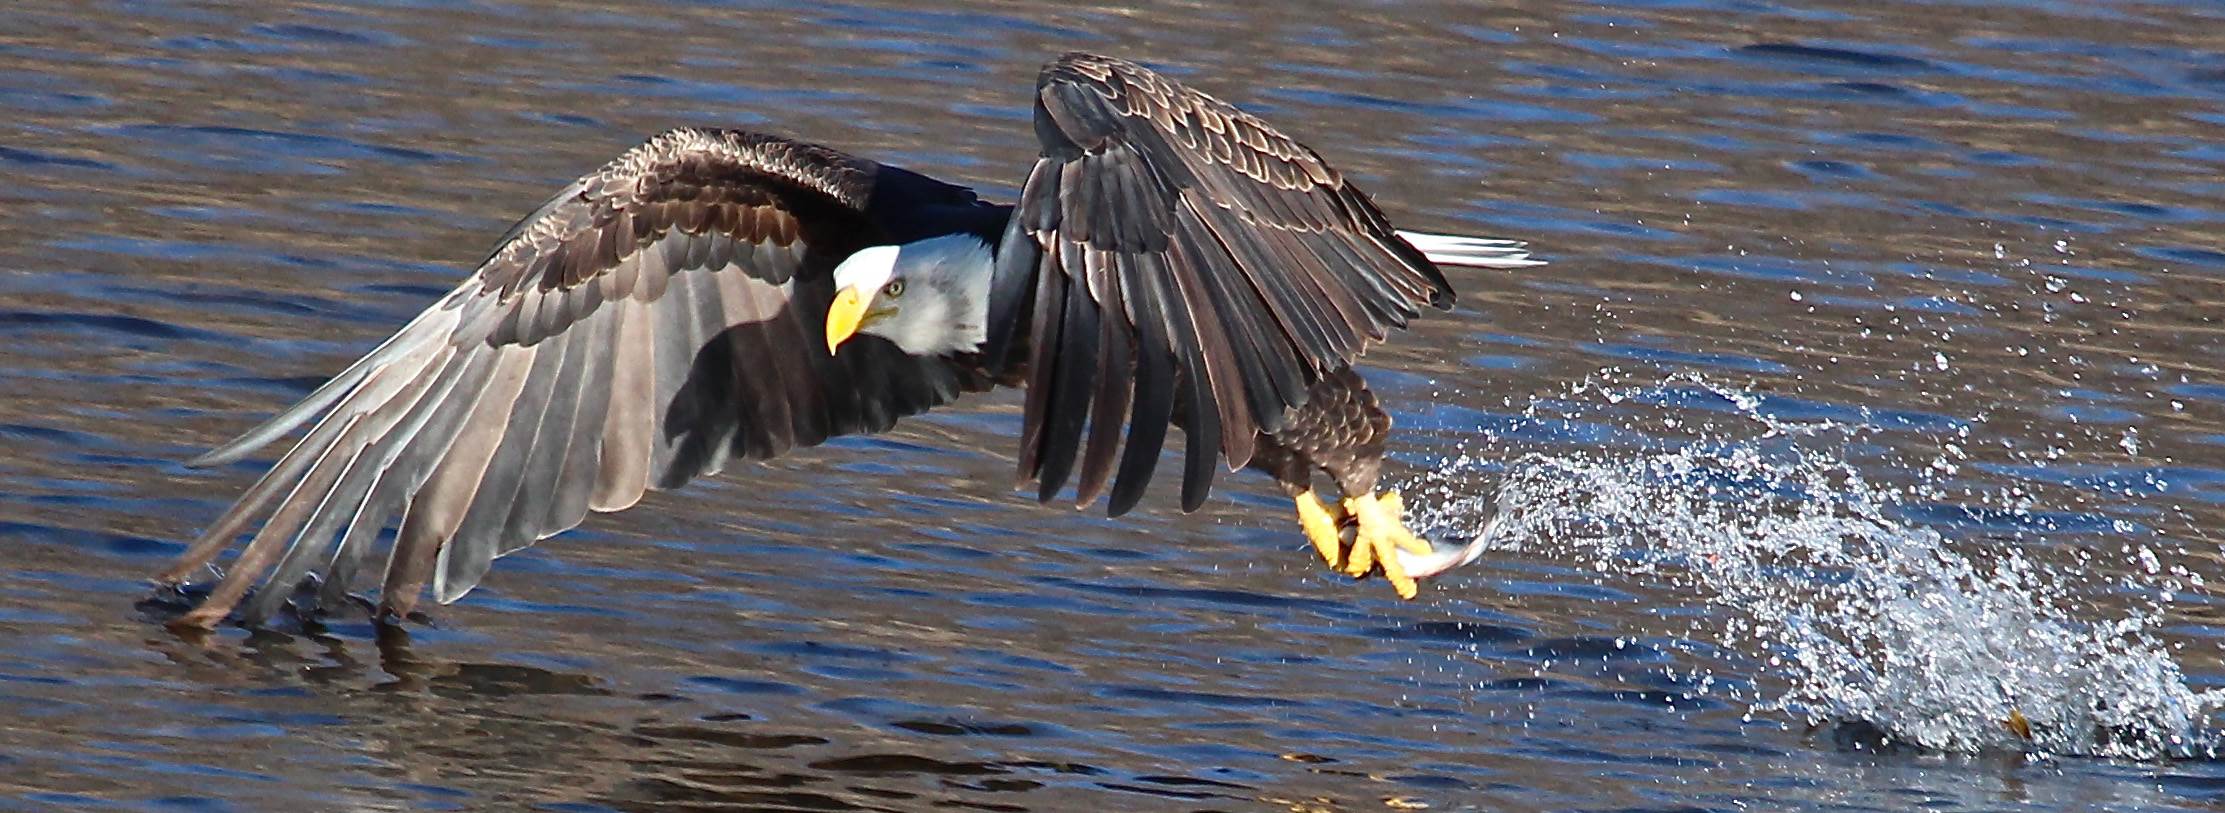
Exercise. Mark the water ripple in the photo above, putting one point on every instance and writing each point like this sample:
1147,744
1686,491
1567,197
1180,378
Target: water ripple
1982,242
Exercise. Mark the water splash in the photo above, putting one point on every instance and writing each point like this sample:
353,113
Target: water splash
1867,619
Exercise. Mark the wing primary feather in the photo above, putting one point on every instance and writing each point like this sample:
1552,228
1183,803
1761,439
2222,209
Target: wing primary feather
530,515
278,425
746,306
1050,311
314,545
1387,307
583,454
1019,258
236,518
1338,315
425,448
1130,210
479,535
724,372
418,332
1202,432
1294,304
280,529
1196,412
1261,353
631,416
1154,403
437,507
1071,384
359,541
1214,367
1115,383
1078,201
684,333
388,490
258,496
1425,273
1147,422
680,332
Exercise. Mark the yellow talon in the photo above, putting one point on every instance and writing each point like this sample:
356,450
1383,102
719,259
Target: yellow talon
1382,534
1320,524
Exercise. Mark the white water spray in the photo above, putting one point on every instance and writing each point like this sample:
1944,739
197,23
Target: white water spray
1866,619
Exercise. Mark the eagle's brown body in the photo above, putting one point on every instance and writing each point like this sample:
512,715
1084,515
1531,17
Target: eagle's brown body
1339,432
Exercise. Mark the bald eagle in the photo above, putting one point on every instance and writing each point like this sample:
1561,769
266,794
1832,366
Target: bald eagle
718,294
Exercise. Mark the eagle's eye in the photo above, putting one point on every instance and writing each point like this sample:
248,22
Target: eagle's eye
894,288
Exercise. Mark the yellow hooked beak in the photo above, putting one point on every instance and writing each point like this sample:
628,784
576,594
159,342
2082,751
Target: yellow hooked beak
846,315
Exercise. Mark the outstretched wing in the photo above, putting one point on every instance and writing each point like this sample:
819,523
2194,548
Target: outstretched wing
1179,260
646,324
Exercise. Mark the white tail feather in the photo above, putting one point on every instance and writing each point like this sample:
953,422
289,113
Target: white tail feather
1476,252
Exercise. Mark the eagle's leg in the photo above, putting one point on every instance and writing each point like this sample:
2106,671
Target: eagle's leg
1323,523
1340,431
1322,520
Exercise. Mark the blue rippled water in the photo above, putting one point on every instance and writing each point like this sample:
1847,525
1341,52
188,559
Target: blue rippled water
1978,242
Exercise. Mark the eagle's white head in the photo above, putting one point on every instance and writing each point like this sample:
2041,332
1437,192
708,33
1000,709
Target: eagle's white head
930,297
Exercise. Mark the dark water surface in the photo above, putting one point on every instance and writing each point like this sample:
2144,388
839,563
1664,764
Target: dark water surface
1987,241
